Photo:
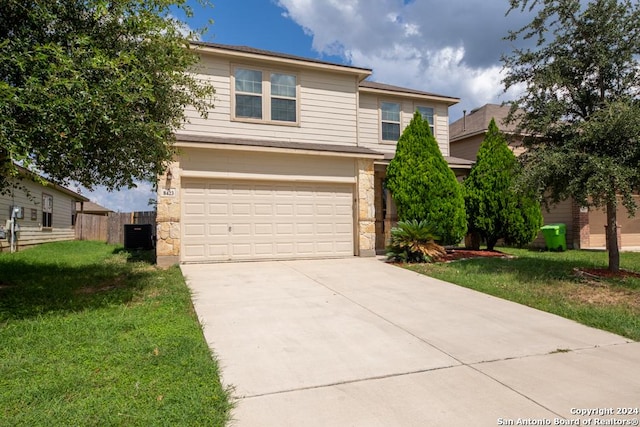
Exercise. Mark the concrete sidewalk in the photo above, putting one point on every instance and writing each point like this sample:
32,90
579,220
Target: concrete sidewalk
357,342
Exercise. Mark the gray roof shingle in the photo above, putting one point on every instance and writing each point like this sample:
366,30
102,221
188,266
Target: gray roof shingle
292,145
262,52
391,88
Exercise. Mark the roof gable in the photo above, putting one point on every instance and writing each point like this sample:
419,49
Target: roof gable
91,207
39,178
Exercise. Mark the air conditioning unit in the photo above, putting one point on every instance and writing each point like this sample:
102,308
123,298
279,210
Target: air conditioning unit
138,236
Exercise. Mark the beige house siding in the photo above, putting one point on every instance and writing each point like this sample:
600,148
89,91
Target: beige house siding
244,164
369,122
442,129
326,106
31,230
467,148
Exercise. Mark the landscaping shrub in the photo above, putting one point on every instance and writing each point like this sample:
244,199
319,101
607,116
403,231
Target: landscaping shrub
495,210
414,241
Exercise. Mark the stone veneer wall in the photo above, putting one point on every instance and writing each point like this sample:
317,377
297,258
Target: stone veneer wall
366,208
168,219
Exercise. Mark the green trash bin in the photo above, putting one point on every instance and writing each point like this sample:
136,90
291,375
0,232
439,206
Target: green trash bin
555,236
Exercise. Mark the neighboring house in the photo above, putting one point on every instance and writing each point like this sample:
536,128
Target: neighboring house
290,163
49,211
585,228
467,133
91,208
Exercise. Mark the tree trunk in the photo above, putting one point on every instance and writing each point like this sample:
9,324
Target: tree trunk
612,236
474,240
491,243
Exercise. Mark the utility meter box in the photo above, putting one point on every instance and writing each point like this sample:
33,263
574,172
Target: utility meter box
16,212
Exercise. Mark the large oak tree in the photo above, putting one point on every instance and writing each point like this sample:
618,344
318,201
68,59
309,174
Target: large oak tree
580,103
92,91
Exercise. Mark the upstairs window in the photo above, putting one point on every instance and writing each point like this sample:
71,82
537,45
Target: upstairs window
283,97
248,93
265,96
47,210
390,115
427,115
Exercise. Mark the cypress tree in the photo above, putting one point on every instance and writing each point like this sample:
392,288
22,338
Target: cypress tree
494,209
423,186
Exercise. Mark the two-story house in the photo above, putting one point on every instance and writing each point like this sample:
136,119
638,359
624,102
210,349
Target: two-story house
290,163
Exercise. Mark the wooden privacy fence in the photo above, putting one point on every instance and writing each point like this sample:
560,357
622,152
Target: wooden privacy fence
110,228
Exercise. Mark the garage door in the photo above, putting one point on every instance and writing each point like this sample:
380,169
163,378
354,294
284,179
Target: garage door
237,220
630,232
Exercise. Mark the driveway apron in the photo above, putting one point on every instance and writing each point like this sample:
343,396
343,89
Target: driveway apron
357,342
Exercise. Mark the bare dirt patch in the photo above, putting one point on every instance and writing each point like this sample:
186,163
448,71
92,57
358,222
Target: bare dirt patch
596,290
605,295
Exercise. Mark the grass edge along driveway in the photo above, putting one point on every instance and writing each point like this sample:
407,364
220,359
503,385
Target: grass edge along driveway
552,282
91,335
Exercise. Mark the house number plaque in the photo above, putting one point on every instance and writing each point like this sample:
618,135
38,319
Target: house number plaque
169,192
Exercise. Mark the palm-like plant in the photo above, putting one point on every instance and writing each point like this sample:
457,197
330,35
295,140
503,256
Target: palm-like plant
414,241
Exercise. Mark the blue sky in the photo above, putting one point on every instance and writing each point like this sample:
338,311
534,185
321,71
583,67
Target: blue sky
256,23
451,48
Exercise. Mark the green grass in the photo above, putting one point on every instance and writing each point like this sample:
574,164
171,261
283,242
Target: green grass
93,335
547,281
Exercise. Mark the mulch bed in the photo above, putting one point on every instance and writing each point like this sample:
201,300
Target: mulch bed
458,254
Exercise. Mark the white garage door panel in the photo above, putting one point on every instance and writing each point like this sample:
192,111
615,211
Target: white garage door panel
226,220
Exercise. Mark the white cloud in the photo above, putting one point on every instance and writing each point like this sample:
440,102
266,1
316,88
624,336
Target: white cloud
451,49
183,28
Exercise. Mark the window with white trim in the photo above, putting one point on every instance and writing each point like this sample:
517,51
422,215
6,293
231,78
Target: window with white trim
390,118
47,210
427,115
265,96
283,97
248,93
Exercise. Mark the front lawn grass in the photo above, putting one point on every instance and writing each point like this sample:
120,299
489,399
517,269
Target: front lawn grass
91,334
548,281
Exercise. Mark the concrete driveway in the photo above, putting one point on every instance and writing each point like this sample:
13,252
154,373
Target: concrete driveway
357,342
